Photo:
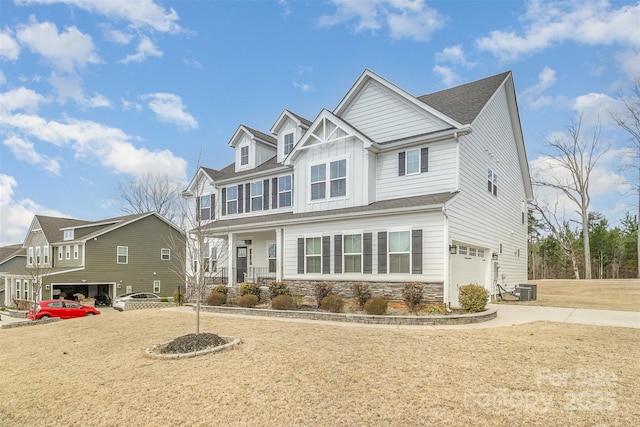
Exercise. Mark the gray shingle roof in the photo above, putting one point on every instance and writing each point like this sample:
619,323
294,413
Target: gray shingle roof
463,103
265,137
302,119
415,202
8,252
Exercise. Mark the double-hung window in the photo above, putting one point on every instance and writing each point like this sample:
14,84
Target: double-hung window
284,191
256,196
123,255
318,181
400,252
38,255
205,207
313,254
165,254
30,260
338,172
244,155
67,252
413,161
76,251
271,253
156,286
232,200
492,182
353,253
288,143
337,180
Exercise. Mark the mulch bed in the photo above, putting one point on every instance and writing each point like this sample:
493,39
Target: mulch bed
192,342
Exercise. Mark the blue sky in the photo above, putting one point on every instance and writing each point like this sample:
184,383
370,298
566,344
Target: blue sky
94,93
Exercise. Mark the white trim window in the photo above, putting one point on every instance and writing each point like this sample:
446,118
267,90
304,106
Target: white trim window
59,248
25,285
18,289
156,286
353,253
492,182
205,207
123,255
337,179
68,235
232,200
46,255
271,255
399,252
38,255
30,259
256,196
313,254
244,155
76,251
165,254
413,161
288,143
318,181
284,191
67,252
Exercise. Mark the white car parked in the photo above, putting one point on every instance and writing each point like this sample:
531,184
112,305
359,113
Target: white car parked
120,301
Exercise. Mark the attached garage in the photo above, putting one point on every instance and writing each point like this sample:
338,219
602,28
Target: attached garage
469,265
88,290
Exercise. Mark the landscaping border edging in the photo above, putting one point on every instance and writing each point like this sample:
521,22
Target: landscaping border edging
449,319
151,352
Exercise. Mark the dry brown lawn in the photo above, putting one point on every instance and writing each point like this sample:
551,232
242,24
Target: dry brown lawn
92,371
619,294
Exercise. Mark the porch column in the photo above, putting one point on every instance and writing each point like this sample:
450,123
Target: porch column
230,254
279,254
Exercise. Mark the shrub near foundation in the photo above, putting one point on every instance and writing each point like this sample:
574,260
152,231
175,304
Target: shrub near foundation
248,301
412,294
220,288
216,298
322,289
473,298
332,303
278,288
282,302
377,305
362,293
250,289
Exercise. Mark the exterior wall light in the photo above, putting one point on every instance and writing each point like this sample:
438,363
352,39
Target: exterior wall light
453,249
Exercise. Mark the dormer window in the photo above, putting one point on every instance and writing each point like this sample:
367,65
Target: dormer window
68,235
244,155
288,143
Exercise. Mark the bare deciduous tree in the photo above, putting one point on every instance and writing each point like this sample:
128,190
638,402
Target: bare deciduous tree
150,193
573,157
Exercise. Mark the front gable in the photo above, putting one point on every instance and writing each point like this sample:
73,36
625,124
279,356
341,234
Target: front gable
252,148
288,129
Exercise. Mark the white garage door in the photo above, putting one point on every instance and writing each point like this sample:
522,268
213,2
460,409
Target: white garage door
469,265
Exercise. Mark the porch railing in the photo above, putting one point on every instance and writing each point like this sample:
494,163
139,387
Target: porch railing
260,275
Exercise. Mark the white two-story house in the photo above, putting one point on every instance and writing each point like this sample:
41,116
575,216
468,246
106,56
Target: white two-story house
386,188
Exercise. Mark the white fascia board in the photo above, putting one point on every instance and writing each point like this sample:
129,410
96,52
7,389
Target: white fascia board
426,138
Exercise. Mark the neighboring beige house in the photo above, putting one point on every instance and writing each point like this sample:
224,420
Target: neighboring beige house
385,188
12,258
133,253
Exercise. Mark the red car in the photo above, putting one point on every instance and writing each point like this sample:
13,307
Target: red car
60,308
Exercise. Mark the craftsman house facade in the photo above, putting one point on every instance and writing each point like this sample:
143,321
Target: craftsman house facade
64,256
386,188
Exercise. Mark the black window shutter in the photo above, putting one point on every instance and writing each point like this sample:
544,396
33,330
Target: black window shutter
240,198
367,246
274,193
416,252
224,202
198,209
382,252
337,253
401,163
424,159
326,254
265,195
213,206
247,198
301,255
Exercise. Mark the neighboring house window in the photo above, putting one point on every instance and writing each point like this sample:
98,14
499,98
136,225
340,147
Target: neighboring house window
165,254
30,256
413,161
123,255
75,251
232,200
59,253
214,258
256,196
313,254
38,255
206,257
288,143
284,191
318,181
338,172
26,289
492,182
244,155
353,253
156,286
68,235
399,252
67,252
18,289
46,255
205,207
271,253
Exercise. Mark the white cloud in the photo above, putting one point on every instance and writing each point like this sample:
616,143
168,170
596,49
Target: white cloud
3,79
405,19
95,142
447,75
117,36
146,49
304,87
98,101
192,63
533,95
140,13
67,51
596,108
9,49
453,55
630,63
549,23
129,105
21,99
16,214
67,87
168,108
25,151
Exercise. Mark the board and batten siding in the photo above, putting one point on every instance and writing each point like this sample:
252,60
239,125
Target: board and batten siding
385,116
431,224
440,178
479,218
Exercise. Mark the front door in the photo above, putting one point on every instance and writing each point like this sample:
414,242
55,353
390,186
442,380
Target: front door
241,263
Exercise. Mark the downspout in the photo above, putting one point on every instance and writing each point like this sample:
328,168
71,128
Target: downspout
447,273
